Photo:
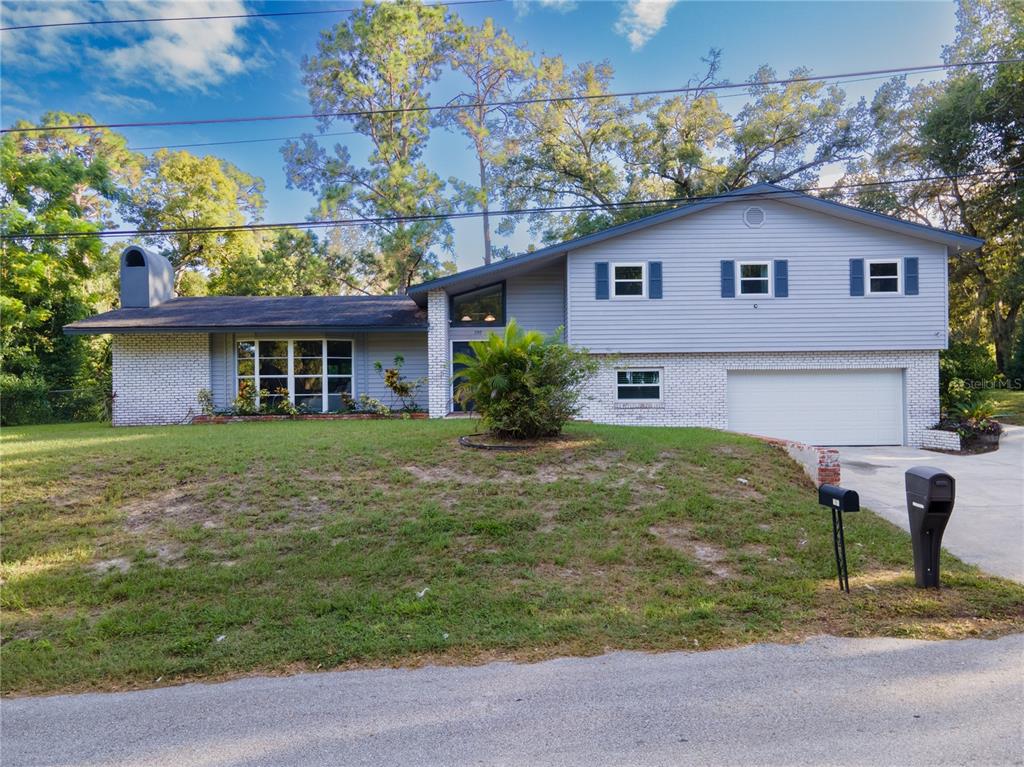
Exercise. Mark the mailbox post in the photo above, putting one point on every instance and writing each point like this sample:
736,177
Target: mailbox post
841,501
931,493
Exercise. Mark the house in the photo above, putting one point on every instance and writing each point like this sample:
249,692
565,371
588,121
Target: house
763,310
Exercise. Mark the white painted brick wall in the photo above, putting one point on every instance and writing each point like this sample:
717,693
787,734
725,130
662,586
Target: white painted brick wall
694,385
438,349
157,377
941,440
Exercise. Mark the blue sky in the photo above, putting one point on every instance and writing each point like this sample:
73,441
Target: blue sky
204,69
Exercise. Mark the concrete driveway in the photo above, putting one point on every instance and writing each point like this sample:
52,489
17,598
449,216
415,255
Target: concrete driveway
987,526
827,701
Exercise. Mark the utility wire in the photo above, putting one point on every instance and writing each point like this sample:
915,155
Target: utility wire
330,223
357,133
96,22
236,141
519,102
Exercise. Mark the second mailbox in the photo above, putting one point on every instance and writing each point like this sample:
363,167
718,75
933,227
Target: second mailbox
931,493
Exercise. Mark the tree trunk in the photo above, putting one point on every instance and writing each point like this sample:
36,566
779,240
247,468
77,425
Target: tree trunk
1002,336
486,208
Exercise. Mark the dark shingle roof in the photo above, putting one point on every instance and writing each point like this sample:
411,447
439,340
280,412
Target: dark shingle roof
211,314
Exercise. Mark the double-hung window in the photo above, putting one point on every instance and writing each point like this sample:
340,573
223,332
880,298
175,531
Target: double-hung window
628,280
755,278
314,374
884,277
638,385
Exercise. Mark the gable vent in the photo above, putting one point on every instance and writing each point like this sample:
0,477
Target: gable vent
753,217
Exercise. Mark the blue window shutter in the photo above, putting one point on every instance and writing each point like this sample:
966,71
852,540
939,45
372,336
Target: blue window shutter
728,279
910,276
601,280
654,279
856,276
782,279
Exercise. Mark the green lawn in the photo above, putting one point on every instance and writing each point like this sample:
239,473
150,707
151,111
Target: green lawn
1009,405
134,557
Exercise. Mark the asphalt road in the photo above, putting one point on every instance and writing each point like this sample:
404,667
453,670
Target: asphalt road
825,702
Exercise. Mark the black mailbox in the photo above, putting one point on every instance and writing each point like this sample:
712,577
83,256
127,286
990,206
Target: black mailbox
838,498
931,493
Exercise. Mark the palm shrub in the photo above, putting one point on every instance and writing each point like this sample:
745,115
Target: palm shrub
523,384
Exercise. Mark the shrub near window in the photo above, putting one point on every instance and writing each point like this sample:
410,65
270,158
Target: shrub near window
524,385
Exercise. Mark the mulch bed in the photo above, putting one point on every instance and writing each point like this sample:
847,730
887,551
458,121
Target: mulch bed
487,441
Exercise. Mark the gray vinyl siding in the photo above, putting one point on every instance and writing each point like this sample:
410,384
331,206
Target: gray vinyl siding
537,299
819,313
369,347
382,347
222,379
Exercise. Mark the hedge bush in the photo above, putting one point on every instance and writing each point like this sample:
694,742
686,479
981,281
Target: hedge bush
23,400
524,385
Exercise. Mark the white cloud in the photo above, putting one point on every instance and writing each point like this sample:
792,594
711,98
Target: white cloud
640,20
523,7
170,55
123,103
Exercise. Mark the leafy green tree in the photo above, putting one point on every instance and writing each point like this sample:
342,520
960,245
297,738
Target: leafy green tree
604,151
491,65
56,182
560,152
966,134
179,190
381,57
289,263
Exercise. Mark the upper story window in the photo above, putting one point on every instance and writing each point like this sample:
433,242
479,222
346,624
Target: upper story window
484,306
755,278
883,277
628,280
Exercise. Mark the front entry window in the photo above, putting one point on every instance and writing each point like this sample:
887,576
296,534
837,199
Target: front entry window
303,371
460,347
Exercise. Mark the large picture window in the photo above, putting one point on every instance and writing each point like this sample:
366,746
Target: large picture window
485,306
314,374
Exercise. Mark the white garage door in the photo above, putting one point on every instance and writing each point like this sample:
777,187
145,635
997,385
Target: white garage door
819,407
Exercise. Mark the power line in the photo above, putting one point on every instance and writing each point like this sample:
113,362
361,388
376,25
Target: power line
236,141
356,133
520,102
96,22
327,224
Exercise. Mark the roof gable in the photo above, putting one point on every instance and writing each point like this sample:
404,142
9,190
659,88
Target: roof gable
470,278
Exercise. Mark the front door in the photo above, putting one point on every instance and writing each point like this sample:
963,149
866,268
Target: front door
459,347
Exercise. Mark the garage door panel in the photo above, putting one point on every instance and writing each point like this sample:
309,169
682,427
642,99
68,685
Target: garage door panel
827,407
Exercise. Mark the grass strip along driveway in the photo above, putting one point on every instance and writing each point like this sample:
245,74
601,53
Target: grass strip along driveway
134,557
